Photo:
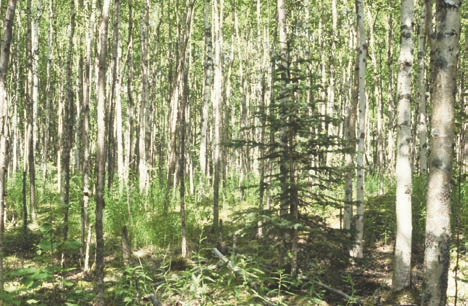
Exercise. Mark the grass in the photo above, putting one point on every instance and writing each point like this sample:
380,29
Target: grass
34,276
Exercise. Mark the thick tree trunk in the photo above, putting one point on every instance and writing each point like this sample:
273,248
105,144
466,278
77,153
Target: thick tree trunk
4,132
437,254
101,151
402,260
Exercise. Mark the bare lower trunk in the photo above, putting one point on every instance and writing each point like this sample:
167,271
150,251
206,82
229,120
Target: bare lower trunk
101,152
437,253
362,52
4,132
402,260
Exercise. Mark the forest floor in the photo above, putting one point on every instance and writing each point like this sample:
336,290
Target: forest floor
206,280
326,273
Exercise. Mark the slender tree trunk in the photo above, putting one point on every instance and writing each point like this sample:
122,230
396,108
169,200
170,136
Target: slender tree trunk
4,132
362,53
391,103
34,95
378,155
142,148
464,142
101,151
422,124
29,117
48,95
130,113
175,102
116,94
208,69
350,136
402,260
284,95
437,255
182,145
68,126
87,86
217,106
115,125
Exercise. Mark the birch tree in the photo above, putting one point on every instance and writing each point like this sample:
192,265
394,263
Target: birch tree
437,254
422,124
402,260
217,99
362,109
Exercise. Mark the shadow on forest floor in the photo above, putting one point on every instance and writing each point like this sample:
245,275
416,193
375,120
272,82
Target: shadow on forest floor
323,258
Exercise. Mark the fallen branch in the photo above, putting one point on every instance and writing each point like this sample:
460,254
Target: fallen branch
346,296
236,269
239,271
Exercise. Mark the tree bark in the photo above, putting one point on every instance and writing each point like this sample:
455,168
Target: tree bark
143,113
4,128
29,116
403,173
217,106
90,15
350,137
390,102
437,254
116,94
101,150
208,68
422,124
48,97
129,154
68,126
284,97
361,58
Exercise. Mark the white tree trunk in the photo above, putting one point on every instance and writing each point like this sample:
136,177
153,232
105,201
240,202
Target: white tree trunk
437,254
362,107
402,260
422,124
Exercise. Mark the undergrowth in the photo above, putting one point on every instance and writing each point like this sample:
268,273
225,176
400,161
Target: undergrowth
253,275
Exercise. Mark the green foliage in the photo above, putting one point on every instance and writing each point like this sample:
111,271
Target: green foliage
132,285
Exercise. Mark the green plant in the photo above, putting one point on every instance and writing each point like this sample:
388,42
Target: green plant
133,284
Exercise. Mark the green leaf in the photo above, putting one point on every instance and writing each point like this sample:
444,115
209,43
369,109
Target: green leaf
73,245
46,227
